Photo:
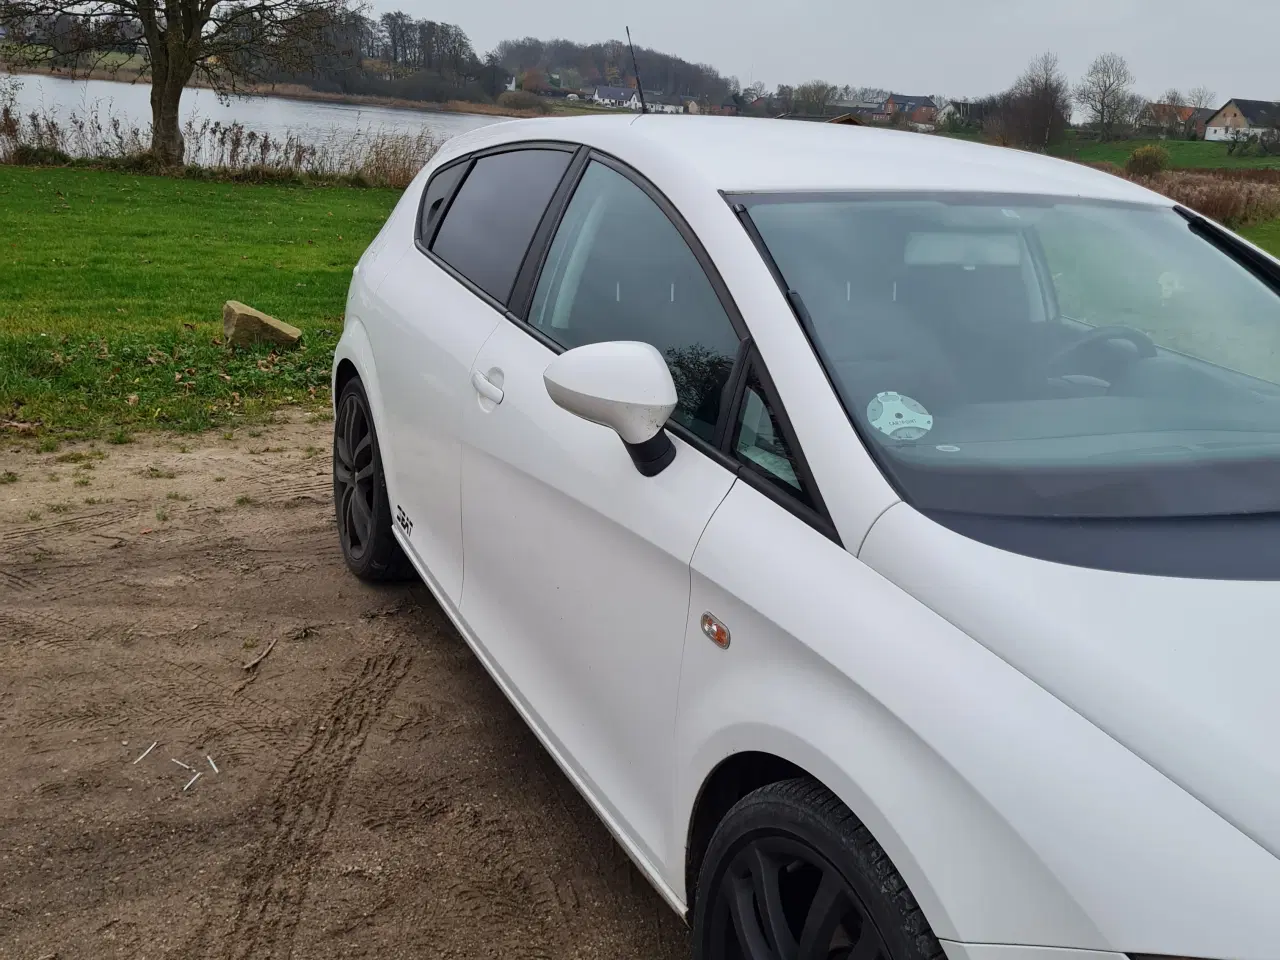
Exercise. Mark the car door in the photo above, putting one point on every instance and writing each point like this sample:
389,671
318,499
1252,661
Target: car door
577,567
476,221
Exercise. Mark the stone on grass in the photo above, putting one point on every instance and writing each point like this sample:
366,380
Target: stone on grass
243,325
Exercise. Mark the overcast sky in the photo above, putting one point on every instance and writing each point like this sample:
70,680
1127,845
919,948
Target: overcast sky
957,49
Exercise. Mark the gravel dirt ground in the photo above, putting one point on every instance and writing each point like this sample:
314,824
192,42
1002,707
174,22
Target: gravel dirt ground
375,794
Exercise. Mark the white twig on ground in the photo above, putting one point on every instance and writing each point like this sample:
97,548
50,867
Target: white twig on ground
191,781
146,751
211,763
262,656
180,763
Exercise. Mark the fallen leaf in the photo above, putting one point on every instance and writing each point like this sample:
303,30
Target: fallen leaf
145,530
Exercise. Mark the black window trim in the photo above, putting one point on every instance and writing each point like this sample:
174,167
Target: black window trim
531,271
536,264
1259,265
748,356
803,319
470,160
754,475
424,243
516,310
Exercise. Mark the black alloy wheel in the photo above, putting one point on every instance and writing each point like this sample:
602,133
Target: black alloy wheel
360,492
791,874
782,900
354,475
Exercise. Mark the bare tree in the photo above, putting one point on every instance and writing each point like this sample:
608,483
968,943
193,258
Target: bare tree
1128,111
813,97
228,44
1202,98
1170,113
1042,98
1103,92
1198,98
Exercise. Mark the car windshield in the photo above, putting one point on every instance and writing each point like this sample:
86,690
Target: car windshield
1040,357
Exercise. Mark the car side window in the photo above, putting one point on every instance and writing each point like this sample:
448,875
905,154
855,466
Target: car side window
487,229
437,192
618,269
759,442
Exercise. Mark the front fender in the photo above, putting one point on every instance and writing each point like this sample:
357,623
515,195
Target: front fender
967,869
1012,817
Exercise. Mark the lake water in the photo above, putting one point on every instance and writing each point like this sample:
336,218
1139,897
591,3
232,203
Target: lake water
311,121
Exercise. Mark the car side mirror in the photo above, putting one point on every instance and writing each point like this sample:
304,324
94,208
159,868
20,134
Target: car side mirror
625,386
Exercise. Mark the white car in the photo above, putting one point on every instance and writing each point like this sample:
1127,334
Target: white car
880,530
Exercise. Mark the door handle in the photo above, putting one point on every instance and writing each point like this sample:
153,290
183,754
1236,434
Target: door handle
486,387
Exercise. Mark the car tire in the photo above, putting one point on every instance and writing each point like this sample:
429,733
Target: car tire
360,497
791,874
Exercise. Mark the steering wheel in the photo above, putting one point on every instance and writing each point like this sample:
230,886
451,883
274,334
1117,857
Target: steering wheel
1056,366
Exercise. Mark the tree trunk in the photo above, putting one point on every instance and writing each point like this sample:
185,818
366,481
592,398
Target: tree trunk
167,145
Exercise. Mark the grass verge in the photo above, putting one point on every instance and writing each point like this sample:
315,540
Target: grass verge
1183,154
1265,235
111,290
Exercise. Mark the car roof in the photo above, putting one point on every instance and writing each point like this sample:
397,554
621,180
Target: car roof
744,155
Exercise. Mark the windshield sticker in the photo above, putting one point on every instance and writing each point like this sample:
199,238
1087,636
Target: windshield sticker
899,417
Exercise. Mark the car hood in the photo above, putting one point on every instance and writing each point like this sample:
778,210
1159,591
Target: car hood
1185,673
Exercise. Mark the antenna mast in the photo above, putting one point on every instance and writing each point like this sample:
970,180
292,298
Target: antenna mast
636,67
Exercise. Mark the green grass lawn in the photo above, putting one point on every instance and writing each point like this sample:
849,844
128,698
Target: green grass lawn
112,285
1265,235
1183,154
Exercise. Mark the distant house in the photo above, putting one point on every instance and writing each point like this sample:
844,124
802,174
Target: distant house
728,108
962,111
624,97
864,110
660,103
1159,119
1243,118
1200,119
918,110
847,119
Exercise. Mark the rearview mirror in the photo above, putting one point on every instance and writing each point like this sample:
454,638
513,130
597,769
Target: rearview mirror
625,386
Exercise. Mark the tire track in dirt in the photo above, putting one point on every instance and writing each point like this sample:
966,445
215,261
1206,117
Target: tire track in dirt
180,695
300,810
99,518
15,581
43,629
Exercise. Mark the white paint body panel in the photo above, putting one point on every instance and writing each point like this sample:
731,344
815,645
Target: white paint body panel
623,386
426,330
577,579
1075,761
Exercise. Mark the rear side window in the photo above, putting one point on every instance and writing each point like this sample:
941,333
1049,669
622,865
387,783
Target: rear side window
487,228
437,193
